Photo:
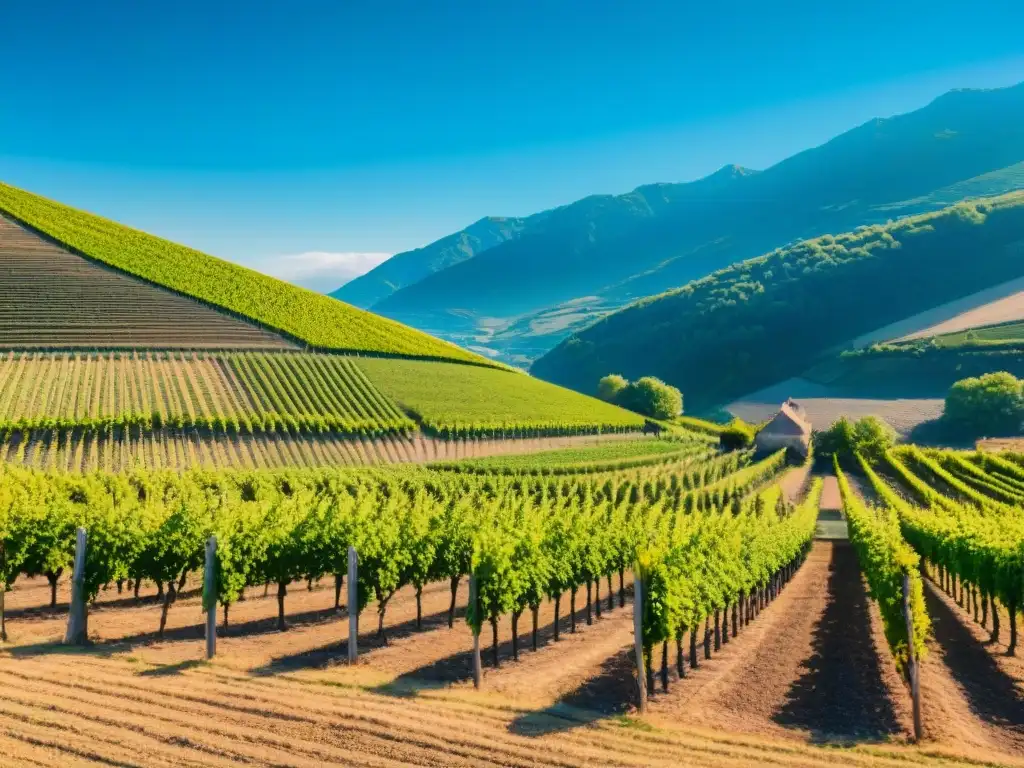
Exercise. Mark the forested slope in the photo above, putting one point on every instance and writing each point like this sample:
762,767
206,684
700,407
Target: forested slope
767,318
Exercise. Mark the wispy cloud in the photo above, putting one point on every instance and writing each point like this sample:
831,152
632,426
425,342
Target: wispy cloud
321,270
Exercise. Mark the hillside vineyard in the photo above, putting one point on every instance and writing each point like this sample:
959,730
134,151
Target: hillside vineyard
307,317
55,299
238,392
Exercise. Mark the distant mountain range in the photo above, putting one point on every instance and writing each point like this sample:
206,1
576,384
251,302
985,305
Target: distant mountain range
514,288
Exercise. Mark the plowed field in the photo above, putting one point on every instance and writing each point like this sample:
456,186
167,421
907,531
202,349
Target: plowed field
53,298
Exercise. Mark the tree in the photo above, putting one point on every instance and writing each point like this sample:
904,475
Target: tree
992,404
873,437
651,397
609,387
870,437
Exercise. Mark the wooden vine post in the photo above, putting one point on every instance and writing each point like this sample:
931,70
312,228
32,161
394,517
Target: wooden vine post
210,596
78,613
913,667
477,666
353,605
638,640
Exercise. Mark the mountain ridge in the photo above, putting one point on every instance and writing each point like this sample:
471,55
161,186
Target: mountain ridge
620,248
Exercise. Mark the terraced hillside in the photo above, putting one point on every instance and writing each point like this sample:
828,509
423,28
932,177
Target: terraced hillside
55,299
304,316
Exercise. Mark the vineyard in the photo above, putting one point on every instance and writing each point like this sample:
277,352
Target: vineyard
961,513
591,458
53,298
521,540
238,393
715,540
457,401
121,450
310,318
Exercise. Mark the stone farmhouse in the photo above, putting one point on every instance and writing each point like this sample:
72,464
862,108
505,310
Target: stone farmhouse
789,428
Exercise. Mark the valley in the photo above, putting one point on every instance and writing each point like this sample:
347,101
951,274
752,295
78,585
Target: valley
245,523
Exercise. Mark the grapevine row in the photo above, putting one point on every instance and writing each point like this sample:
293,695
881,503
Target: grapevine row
887,561
410,527
981,550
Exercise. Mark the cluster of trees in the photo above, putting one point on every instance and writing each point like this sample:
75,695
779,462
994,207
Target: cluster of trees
647,395
989,405
845,440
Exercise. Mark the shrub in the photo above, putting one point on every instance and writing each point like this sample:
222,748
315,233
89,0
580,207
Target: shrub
609,387
736,436
989,405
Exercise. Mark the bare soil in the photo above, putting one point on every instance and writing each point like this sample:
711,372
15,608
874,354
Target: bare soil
973,693
808,667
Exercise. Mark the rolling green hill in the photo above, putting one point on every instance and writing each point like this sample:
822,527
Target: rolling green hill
768,318
315,320
612,250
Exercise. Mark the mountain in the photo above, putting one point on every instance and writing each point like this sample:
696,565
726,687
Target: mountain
582,261
404,269
574,251
765,319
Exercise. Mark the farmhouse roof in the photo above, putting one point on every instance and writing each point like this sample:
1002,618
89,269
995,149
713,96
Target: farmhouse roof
790,420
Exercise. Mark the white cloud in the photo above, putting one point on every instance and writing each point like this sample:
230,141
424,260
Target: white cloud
321,270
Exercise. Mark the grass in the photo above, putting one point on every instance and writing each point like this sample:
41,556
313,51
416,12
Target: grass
1000,333
308,317
584,456
460,400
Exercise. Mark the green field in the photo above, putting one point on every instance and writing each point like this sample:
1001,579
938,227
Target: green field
988,335
457,400
314,319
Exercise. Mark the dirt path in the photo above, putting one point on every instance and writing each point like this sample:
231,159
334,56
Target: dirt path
973,695
808,667
412,658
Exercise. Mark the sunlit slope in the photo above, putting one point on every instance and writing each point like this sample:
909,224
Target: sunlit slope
316,320
459,400
762,320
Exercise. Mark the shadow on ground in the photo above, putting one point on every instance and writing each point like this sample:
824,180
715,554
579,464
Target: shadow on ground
841,696
991,694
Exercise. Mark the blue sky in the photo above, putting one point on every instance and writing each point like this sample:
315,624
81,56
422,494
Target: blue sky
309,139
